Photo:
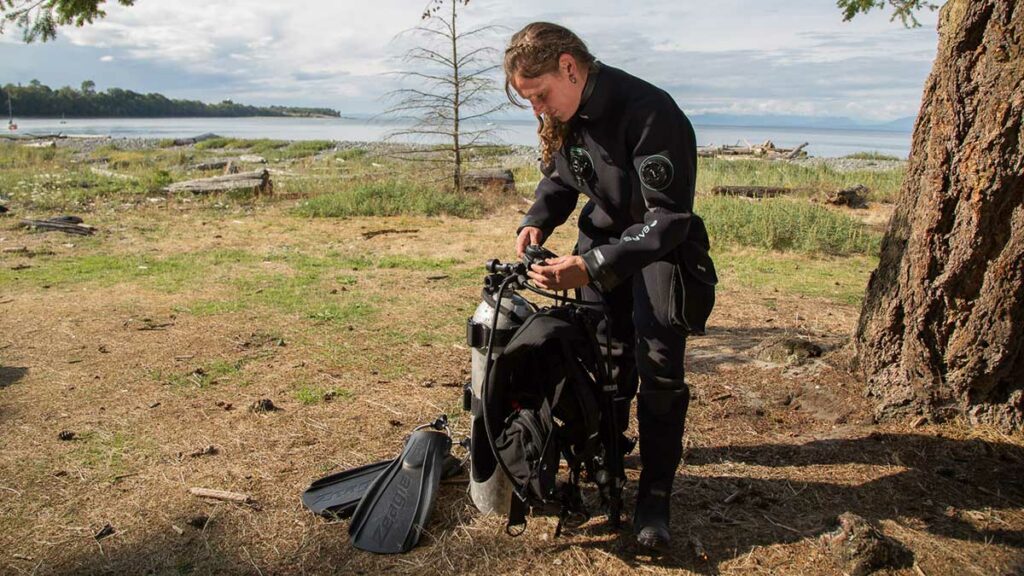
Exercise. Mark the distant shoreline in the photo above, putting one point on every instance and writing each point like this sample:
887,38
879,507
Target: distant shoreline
511,121
318,116
823,142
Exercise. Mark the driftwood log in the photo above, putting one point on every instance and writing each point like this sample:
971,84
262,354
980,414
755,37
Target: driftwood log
501,179
258,181
796,151
66,224
211,165
194,139
750,191
767,149
222,163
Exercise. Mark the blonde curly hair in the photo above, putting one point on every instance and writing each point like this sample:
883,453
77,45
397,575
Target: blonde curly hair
533,52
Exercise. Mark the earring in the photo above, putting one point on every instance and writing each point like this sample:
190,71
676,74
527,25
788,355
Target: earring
572,79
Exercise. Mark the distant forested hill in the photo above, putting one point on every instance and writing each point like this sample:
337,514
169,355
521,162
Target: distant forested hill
37,99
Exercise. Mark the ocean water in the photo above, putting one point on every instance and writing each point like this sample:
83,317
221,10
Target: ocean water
821,142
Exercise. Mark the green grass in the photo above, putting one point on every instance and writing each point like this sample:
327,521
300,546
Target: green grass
48,180
273,150
214,143
309,395
214,372
109,454
351,154
303,148
842,280
805,180
14,156
401,262
390,198
785,225
168,274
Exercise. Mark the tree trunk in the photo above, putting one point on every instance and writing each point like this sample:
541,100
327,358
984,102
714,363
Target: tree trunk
941,332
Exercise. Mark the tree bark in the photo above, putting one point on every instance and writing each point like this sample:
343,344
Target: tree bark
941,331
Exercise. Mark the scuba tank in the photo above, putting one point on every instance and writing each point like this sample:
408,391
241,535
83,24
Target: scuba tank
494,487
489,487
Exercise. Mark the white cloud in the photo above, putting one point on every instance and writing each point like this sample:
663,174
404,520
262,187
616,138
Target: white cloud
743,56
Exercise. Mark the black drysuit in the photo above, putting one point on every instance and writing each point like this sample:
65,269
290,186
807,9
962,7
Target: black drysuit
632,152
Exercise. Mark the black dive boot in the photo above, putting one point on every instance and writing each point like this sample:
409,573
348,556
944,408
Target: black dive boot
650,522
662,416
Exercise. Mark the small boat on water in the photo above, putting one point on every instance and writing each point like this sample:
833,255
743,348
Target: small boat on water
10,117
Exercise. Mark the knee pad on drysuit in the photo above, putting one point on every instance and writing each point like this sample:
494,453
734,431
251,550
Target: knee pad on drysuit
662,418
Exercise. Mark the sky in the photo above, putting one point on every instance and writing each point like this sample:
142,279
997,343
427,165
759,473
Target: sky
736,57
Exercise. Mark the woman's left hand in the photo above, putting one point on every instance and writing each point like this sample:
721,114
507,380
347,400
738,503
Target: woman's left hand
562,273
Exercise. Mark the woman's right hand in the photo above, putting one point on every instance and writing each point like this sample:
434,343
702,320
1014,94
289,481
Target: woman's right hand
528,236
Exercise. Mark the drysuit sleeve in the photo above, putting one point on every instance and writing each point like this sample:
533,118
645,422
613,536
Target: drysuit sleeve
555,201
664,154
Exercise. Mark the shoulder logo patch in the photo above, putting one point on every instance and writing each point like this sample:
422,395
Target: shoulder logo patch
581,164
656,172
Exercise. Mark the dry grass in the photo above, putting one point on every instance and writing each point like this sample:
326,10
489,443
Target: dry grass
143,375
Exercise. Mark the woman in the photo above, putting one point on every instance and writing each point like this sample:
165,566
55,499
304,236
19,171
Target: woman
625,145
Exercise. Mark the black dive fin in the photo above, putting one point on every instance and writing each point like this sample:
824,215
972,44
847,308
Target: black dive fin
395,508
338,494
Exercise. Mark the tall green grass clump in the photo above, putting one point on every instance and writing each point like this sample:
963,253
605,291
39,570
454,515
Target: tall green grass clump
805,180
786,225
390,198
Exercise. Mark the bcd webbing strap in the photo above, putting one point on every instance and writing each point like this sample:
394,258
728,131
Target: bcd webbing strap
516,516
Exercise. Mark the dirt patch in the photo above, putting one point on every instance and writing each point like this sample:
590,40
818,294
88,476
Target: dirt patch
146,379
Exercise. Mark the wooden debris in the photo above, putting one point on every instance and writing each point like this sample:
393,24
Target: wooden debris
698,548
210,450
796,151
177,530
66,224
252,158
107,530
732,497
751,191
211,165
859,548
502,179
375,233
41,144
194,139
854,197
263,405
767,149
148,324
258,181
15,250
220,495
